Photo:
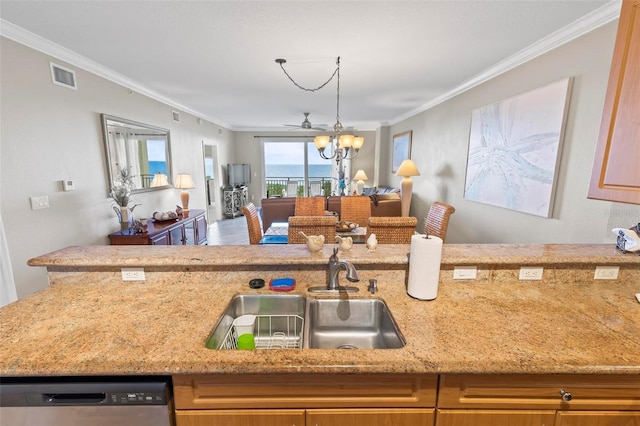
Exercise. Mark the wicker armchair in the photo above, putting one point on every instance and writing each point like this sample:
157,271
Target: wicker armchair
392,230
253,223
309,206
437,220
312,225
355,209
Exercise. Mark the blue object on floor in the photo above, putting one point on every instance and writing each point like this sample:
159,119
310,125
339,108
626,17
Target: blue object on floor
274,239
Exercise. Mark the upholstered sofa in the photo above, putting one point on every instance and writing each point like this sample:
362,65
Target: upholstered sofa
279,209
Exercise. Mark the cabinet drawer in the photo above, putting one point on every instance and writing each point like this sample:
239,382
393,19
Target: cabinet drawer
371,417
495,417
240,418
304,391
609,392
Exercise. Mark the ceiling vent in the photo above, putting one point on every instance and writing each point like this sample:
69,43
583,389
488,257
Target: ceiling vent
63,76
176,116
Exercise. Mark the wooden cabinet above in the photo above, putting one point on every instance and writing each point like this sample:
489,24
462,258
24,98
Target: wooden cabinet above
616,168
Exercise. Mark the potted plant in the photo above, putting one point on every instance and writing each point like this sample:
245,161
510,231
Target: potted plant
121,194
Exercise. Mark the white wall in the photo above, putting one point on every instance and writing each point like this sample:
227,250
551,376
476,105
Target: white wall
50,133
440,144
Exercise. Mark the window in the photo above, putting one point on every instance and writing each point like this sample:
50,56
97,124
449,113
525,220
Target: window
292,165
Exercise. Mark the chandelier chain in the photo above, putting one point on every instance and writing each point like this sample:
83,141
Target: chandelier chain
336,71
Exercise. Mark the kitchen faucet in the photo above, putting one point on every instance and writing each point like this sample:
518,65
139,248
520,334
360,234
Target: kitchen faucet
335,265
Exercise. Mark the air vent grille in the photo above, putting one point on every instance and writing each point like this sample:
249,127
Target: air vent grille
176,116
63,76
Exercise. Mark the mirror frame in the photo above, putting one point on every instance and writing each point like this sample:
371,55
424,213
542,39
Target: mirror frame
112,166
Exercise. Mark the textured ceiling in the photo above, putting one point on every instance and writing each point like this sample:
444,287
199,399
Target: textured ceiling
216,59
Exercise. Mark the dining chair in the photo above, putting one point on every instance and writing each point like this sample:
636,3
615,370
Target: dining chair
309,206
312,225
253,223
437,220
392,230
355,209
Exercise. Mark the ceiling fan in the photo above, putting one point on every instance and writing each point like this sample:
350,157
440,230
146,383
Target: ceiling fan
306,124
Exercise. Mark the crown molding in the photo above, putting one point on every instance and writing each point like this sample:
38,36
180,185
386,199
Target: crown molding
41,44
599,17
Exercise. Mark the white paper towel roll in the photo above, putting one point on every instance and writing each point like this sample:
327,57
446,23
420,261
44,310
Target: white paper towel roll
424,267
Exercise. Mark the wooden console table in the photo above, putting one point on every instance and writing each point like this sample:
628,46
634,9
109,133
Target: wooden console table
189,229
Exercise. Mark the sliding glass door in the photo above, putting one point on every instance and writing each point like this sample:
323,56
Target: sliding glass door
292,167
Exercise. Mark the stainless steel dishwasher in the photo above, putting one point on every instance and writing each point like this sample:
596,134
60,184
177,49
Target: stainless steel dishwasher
86,401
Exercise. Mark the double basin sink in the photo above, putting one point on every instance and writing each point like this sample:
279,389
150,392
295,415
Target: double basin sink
295,321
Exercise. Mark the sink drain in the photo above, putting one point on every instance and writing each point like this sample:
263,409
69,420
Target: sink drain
347,347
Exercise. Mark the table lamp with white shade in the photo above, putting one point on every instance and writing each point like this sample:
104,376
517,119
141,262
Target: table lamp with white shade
360,177
406,170
159,179
184,182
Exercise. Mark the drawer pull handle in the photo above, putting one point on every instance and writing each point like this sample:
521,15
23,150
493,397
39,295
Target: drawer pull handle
566,396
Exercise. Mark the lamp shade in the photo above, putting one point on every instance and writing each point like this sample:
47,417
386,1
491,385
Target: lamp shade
407,168
159,179
321,141
360,175
184,181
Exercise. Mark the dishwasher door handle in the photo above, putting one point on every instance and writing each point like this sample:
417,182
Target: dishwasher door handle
74,398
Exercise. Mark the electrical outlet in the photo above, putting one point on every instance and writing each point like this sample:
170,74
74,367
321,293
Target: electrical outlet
132,274
606,273
38,203
465,272
531,272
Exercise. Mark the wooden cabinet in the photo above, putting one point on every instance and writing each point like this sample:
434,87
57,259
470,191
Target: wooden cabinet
190,229
616,168
234,200
479,400
305,399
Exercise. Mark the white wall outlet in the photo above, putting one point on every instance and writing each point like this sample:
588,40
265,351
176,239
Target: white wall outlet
465,272
132,274
531,273
38,203
606,273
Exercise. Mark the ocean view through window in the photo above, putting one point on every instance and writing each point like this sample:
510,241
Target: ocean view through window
291,165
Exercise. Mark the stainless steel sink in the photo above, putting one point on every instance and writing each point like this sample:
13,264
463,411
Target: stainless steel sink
277,315
293,321
351,324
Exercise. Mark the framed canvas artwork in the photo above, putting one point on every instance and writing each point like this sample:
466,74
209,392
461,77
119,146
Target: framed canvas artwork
401,149
514,150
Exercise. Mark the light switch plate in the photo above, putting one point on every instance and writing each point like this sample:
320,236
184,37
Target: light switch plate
531,273
38,203
465,272
132,274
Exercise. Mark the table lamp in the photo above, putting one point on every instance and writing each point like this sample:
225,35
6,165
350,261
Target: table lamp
159,179
360,177
406,170
184,182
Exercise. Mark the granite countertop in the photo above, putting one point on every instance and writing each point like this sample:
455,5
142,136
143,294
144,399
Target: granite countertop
159,327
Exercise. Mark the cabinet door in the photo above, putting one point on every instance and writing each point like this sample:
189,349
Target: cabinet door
190,233
161,239
240,417
370,417
177,235
201,230
495,418
598,418
616,174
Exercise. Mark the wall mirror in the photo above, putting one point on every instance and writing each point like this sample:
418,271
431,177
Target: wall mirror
145,149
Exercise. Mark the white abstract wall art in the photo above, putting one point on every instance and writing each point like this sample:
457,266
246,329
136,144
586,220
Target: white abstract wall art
514,150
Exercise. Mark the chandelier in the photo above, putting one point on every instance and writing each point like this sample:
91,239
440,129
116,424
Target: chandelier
342,143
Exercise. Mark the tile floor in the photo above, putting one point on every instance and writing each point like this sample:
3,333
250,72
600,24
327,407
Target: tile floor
227,232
